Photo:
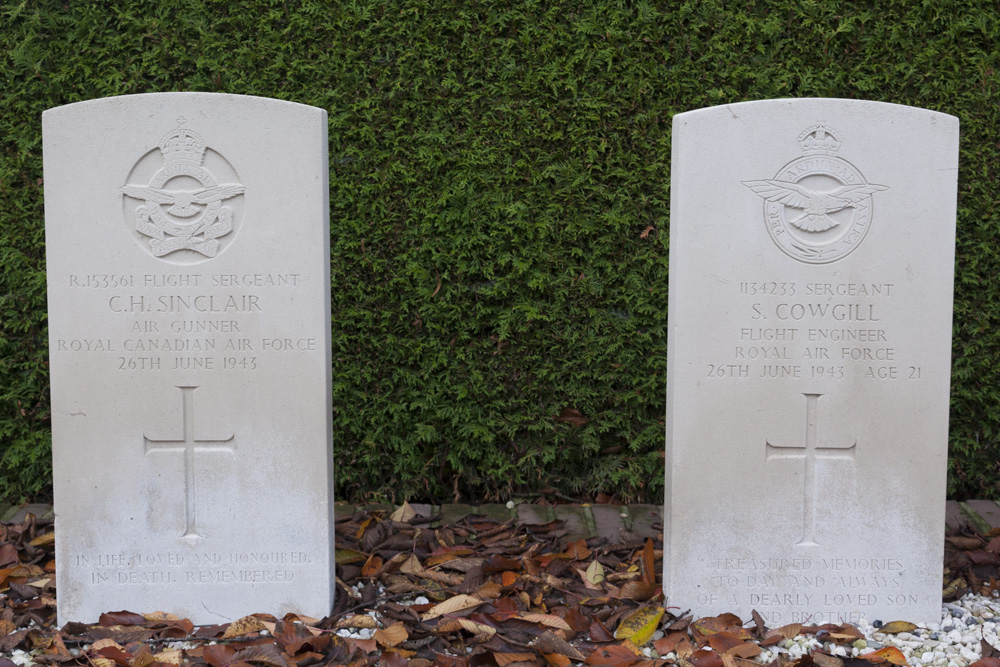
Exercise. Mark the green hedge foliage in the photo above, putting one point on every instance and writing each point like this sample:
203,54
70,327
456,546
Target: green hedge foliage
499,204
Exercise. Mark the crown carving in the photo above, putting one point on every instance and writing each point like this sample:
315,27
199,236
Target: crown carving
183,145
820,138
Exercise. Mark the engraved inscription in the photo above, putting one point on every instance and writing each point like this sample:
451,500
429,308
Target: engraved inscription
810,451
837,331
189,445
237,567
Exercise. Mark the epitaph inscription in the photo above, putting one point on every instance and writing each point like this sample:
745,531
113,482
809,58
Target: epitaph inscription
809,360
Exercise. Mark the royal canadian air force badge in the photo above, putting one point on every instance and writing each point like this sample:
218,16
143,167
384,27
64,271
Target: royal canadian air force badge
818,207
183,204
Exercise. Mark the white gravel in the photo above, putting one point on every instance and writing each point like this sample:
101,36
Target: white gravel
953,642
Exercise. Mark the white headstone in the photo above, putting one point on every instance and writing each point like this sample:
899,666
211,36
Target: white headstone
189,330
811,271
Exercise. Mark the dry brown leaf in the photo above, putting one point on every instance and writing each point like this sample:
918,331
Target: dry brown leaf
103,662
261,654
104,643
371,566
243,626
612,654
403,513
555,660
578,550
391,636
746,650
824,660
895,627
170,657
548,643
504,659
161,616
359,621
451,605
639,591
476,628
551,620
889,654
411,565
489,591
789,631
47,538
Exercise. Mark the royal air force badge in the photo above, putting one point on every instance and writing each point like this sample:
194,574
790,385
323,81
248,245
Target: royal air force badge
818,207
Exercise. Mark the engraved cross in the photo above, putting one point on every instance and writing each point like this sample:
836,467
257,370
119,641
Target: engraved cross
188,444
811,451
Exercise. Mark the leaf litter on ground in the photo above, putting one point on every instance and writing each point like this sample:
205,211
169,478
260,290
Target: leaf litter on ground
479,592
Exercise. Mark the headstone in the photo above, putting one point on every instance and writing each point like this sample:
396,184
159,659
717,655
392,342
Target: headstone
811,271
189,330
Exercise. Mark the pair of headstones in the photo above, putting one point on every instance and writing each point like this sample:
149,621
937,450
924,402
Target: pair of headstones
812,245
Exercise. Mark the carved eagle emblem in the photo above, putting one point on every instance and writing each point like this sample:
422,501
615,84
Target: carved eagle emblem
816,205
183,201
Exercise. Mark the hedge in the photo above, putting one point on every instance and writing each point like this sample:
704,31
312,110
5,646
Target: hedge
500,178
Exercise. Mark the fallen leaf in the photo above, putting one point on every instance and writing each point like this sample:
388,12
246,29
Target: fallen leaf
895,627
548,643
613,654
721,623
550,620
106,642
639,591
723,642
705,658
451,605
358,621
648,563
578,550
595,573
347,556
243,626
120,618
746,650
371,566
393,635
218,655
824,660
476,627
263,654
47,538
411,565
964,543
504,659
161,616
889,654
553,659
640,625
403,513
170,656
